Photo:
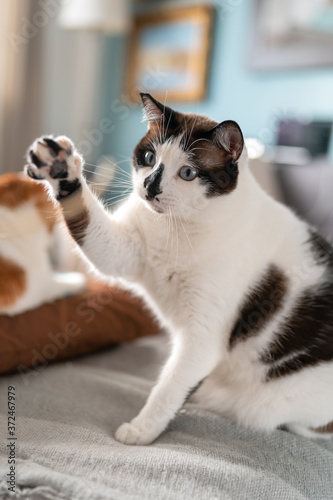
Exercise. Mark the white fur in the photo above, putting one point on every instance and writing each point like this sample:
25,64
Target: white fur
26,241
195,261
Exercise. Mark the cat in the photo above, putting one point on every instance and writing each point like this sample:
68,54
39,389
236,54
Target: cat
243,285
28,221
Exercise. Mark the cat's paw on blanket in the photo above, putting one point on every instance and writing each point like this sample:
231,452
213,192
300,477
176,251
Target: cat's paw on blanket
57,161
133,433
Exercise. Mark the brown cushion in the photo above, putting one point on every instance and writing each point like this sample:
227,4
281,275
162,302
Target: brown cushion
72,326
327,429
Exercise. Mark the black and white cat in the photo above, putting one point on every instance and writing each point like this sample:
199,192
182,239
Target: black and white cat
243,285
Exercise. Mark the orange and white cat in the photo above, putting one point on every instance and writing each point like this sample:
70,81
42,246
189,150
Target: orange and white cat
28,221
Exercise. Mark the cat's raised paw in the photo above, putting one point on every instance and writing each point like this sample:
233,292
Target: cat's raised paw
55,160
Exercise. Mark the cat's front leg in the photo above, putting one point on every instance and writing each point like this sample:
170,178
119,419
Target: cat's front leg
114,247
193,357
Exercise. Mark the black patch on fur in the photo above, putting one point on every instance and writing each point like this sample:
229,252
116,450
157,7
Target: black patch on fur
66,188
260,305
222,181
153,181
78,225
35,160
147,100
53,145
306,337
307,333
31,173
167,126
321,249
139,154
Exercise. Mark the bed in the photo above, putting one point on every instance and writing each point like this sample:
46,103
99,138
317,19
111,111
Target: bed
67,414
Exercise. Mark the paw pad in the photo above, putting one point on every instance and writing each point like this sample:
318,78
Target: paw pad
53,158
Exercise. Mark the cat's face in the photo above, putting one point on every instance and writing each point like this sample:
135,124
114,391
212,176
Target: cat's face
184,160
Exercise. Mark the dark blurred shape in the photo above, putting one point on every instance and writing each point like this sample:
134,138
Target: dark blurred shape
313,136
305,171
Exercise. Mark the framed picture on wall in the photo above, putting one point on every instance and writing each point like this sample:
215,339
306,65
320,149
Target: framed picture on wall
169,53
292,34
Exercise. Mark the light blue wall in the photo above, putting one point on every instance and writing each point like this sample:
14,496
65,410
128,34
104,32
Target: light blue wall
253,99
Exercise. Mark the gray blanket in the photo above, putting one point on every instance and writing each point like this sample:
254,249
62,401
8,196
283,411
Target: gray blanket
66,416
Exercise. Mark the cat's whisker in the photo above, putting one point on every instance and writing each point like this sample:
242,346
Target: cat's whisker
175,232
123,173
183,222
171,233
105,182
118,163
168,227
89,164
198,149
189,136
152,144
163,123
101,175
112,206
94,172
121,187
122,182
100,168
160,130
185,133
167,127
119,195
116,197
190,149
126,158
123,191
172,238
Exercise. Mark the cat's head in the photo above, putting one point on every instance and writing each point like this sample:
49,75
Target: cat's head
184,160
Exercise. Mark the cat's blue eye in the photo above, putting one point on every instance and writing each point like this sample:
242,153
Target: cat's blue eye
188,173
149,158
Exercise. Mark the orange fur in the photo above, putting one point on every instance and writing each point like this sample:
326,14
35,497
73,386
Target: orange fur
16,189
13,282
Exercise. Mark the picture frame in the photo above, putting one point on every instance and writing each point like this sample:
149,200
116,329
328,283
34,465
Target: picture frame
300,47
169,53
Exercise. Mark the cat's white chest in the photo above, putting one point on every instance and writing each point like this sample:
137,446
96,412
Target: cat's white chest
171,260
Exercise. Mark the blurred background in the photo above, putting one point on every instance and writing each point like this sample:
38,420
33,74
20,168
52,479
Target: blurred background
76,67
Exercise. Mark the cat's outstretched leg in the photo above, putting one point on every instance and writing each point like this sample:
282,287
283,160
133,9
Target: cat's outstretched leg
113,247
190,362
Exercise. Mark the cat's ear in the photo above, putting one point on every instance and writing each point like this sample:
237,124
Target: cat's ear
153,111
228,136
